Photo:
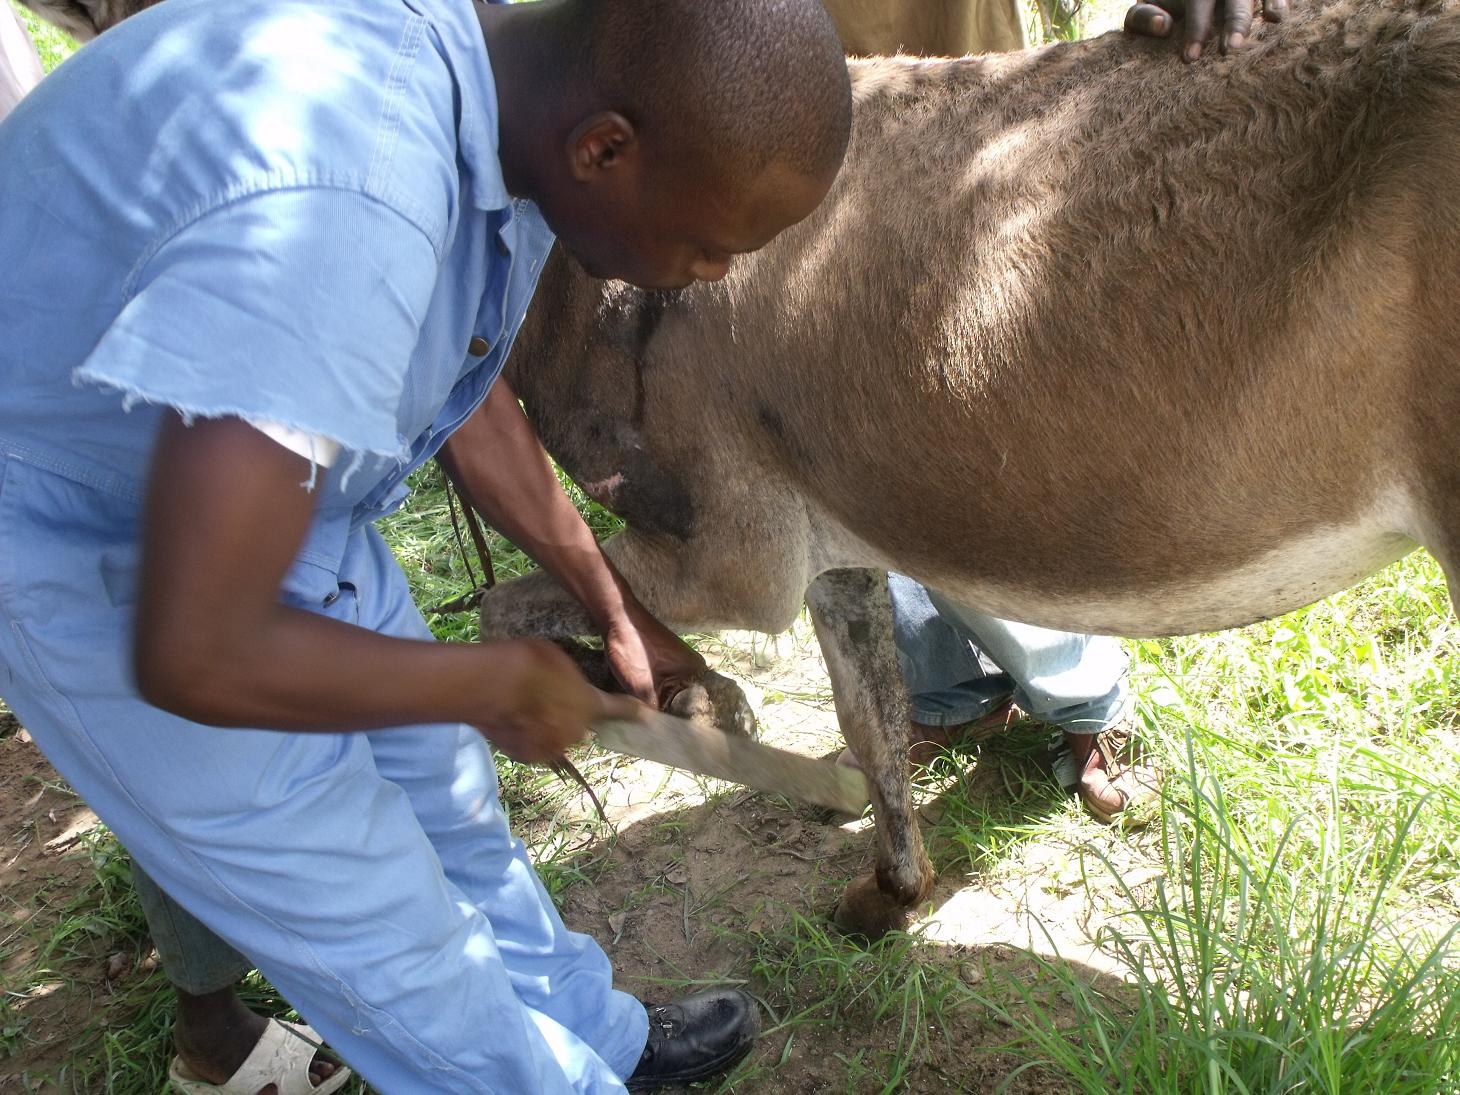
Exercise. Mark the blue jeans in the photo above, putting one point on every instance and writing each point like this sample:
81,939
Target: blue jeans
961,664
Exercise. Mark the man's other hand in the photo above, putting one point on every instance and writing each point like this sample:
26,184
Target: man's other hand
649,660
1156,20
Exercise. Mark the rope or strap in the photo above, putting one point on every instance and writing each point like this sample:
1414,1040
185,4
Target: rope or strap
471,599
467,601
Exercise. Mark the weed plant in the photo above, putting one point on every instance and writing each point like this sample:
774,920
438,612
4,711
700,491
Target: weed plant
53,45
1253,974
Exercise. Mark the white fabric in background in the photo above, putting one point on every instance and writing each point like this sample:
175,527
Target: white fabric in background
20,65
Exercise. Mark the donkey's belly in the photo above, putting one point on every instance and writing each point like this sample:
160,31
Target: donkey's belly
1202,598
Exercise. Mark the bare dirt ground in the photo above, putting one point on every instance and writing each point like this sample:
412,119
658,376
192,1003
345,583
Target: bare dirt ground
44,860
693,879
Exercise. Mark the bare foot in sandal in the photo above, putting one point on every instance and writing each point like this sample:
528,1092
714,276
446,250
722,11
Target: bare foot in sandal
215,1036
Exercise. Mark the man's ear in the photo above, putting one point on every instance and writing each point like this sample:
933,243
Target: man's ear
601,142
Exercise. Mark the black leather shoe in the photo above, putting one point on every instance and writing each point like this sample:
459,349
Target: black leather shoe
696,1037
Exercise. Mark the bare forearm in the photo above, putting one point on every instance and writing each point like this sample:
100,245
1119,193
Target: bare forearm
500,465
294,670
225,516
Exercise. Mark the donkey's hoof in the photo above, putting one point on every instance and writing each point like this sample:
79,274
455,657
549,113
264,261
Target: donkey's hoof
869,912
716,702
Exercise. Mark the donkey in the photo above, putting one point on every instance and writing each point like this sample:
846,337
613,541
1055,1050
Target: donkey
1072,340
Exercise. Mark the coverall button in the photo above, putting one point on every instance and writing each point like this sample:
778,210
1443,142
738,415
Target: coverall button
478,346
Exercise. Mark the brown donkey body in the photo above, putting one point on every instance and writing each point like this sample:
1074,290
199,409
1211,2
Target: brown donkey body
1077,339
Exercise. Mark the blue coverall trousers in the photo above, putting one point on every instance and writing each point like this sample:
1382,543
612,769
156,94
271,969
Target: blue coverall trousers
370,876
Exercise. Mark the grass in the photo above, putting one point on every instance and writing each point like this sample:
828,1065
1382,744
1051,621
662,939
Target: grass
820,979
1249,975
442,567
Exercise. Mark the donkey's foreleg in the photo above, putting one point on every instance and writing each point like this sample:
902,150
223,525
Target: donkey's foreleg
853,617
688,586
532,606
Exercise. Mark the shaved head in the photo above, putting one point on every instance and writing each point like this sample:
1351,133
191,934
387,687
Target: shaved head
661,138
738,85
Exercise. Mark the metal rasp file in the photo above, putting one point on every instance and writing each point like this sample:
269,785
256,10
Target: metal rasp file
680,743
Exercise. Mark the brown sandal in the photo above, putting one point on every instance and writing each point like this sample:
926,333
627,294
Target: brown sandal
1121,798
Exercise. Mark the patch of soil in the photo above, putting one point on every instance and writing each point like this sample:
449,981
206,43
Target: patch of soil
44,863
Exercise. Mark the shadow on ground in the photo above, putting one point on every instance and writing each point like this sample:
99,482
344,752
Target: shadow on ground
739,885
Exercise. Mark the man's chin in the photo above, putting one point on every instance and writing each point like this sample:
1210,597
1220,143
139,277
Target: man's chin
661,284
597,270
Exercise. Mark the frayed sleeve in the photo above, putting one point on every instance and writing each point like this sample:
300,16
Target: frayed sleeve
297,307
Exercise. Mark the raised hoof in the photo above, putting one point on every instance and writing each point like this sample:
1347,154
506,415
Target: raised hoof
716,702
710,700
868,912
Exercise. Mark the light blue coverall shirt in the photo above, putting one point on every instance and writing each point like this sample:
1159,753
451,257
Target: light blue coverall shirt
289,211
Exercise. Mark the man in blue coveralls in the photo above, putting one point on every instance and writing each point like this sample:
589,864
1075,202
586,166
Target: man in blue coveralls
258,261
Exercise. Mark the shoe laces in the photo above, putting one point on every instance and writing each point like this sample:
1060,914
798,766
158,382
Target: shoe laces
663,1018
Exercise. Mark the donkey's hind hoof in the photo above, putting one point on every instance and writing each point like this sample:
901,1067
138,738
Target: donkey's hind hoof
868,912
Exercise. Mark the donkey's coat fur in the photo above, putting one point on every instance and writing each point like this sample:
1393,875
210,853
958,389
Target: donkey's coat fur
1078,337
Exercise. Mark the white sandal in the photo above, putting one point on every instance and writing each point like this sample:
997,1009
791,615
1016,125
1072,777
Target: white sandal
281,1057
